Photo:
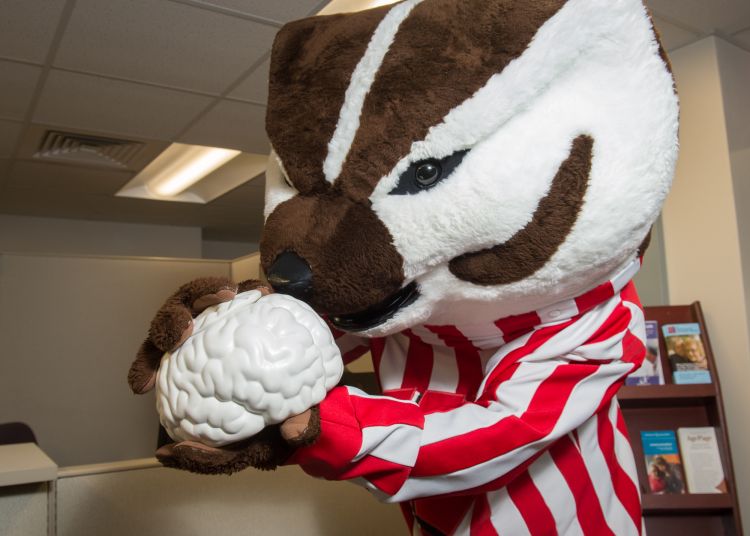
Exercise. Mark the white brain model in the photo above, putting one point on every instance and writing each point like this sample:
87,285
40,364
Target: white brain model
250,362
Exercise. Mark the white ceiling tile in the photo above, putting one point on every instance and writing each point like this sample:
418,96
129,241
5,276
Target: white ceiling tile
231,124
71,179
9,132
742,39
17,88
111,106
252,193
716,16
280,10
4,163
255,86
673,37
162,42
27,28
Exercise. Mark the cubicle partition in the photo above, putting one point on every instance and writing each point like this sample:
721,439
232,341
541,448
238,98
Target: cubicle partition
23,510
141,497
27,490
69,328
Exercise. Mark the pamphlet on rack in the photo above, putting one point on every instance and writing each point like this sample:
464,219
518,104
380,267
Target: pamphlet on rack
686,353
650,372
663,463
700,453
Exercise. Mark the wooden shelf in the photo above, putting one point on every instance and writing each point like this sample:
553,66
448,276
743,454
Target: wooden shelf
634,396
669,407
694,503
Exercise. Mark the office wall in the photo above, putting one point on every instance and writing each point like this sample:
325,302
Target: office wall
70,327
704,225
218,249
158,502
24,234
734,67
651,281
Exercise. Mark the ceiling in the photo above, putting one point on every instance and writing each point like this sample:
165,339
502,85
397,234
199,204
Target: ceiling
191,71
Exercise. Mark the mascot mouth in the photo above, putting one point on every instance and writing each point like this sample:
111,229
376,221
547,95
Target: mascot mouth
380,312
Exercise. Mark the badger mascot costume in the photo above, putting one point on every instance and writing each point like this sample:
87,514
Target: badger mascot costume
463,188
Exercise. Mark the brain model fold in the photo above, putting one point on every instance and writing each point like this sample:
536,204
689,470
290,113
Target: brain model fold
250,362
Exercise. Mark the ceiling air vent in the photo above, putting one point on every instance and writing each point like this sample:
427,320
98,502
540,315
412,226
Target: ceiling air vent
85,149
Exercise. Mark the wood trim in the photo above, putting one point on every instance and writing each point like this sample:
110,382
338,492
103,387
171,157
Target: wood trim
635,396
687,503
718,407
647,406
108,467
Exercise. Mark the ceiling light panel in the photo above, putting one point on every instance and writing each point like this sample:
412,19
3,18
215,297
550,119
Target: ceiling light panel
349,6
181,166
194,174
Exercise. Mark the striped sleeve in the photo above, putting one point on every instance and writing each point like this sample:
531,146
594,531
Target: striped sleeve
537,390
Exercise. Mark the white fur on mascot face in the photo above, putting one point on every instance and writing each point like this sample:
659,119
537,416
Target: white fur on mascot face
592,70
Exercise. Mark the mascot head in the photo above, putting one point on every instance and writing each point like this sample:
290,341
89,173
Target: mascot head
450,161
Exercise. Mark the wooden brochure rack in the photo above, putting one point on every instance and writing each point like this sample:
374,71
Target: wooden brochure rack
668,407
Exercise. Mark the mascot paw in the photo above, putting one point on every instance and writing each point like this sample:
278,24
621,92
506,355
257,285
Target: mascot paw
264,451
173,323
303,429
171,326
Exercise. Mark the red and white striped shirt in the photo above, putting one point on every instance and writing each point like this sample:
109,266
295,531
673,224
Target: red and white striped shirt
511,428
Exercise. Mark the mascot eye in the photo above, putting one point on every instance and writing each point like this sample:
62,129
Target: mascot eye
425,174
428,173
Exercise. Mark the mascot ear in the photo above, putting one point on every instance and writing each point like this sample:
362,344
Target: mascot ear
311,65
313,61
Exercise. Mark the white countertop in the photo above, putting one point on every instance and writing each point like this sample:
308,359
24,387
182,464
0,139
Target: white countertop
24,463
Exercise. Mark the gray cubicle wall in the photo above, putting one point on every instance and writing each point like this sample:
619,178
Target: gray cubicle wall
124,499
69,329
23,510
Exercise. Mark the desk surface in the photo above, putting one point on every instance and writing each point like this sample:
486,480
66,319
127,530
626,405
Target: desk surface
24,463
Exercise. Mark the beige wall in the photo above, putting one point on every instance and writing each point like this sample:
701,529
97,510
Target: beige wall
70,327
651,281
218,249
734,66
23,234
247,267
702,234
160,502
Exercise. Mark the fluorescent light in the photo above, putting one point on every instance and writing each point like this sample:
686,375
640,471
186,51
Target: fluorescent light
349,6
181,166
194,174
378,3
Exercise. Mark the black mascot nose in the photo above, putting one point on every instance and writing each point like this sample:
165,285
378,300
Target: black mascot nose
290,274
